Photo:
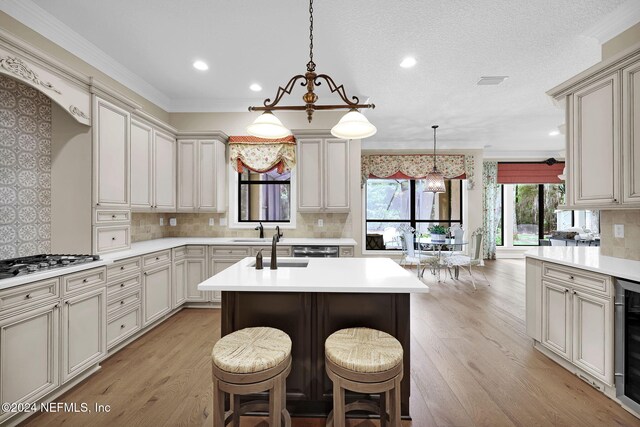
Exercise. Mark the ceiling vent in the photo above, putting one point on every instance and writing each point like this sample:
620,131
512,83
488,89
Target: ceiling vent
491,80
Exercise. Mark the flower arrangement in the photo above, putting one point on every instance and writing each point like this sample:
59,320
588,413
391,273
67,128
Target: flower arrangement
438,233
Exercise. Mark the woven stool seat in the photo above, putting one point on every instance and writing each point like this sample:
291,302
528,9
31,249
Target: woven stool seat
363,350
251,350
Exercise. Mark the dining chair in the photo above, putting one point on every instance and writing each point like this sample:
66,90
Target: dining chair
459,260
410,256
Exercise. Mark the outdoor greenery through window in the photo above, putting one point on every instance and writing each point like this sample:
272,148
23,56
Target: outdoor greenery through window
264,197
392,203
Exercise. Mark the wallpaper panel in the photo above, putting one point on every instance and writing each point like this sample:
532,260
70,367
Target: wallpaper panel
25,170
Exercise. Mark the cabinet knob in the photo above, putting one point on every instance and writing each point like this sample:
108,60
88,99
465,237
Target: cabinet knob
85,280
27,296
56,306
113,238
157,258
113,216
574,292
67,302
121,302
122,326
566,290
615,200
122,268
145,273
97,204
122,285
571,277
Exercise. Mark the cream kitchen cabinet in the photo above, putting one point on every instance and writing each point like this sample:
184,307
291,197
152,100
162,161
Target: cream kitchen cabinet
190,269
195,272
556,318
153,168
631,134
202,175
323,171
84,331
111,151
156,293
29,355
179,286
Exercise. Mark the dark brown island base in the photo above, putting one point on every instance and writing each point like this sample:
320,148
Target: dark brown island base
309,318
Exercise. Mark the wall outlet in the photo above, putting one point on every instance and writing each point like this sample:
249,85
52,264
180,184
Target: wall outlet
173,222
161,221
618,231
223,221
212,222
321,223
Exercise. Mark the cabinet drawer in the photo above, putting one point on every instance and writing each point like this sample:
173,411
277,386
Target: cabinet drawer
156,258
346,251
117,302
123,325
179,253
191,251
229,250
125,267
576,278
112,238
266,250
25,296
84,280
109,216
123,285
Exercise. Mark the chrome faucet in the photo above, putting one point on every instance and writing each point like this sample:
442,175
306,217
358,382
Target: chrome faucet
279,234
274,258
261,228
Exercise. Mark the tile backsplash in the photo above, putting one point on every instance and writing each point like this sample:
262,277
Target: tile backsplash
627,247
25,170
146,226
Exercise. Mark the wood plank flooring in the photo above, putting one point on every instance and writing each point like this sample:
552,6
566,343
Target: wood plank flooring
472,365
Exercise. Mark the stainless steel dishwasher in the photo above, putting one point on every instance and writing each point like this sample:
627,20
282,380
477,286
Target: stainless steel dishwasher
315,252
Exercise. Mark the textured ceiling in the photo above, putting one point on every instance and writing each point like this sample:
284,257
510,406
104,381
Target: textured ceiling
537,43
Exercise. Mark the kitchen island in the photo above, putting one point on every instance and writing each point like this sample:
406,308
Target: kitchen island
309,299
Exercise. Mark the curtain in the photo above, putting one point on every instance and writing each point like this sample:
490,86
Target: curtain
491,208
262,155
417,166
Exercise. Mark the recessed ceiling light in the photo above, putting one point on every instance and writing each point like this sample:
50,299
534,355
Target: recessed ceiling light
255,87
554,133
491,80
408,62
200,65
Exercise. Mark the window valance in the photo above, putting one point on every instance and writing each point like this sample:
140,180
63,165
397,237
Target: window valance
261,155
416,166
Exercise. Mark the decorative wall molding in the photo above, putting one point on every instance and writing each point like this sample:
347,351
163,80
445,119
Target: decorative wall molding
20,69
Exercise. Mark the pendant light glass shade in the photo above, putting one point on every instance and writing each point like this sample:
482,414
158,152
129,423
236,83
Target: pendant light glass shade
266,125
353,125
435,182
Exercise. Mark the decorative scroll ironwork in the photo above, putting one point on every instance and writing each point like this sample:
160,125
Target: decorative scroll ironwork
20,69
284,90
335,88
78,112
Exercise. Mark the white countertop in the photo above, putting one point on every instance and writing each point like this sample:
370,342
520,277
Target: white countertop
142,248
358,275
588,258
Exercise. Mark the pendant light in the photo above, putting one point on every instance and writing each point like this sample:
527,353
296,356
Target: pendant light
353,125
435,179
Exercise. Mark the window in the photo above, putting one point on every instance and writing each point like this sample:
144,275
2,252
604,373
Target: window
264,197
391,203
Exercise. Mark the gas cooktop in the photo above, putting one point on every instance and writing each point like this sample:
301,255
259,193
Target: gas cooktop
37,263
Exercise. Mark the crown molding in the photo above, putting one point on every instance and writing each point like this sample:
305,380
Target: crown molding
39,20
620,19
210,105
204,134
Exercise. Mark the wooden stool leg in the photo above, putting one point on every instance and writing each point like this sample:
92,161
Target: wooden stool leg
235,409
218,405
275,404
338,405
383,409
394,405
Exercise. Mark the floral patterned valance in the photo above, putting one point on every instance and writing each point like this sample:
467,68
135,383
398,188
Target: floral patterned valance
417,166
262,155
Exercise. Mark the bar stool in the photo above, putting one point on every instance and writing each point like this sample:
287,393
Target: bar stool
367,361
247,361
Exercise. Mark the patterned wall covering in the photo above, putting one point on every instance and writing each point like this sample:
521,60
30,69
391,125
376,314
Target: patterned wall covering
25,170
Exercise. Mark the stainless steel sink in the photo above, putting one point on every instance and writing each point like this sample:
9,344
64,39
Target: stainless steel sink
250,240
284,264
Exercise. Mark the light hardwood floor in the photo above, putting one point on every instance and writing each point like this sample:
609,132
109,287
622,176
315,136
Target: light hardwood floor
472,365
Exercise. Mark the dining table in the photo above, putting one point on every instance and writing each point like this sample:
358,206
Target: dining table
428,245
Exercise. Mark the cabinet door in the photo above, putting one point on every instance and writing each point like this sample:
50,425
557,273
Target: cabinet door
309,175
208,176
29,355
596,143
218,265
195,273
164,172
187,175
221,177
111,154
593,335
141,166
336,175
178,295
156,293
84,332
556,318
631,135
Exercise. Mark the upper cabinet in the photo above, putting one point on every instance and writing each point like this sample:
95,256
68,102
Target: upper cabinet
323,173
202,175
153,168
603,133
110,154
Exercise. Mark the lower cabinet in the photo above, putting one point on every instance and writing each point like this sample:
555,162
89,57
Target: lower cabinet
556,318
218,265
156,293
124,324
195,272
29,355
179,287
84,331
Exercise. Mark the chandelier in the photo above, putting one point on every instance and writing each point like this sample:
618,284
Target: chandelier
353,125
435,178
